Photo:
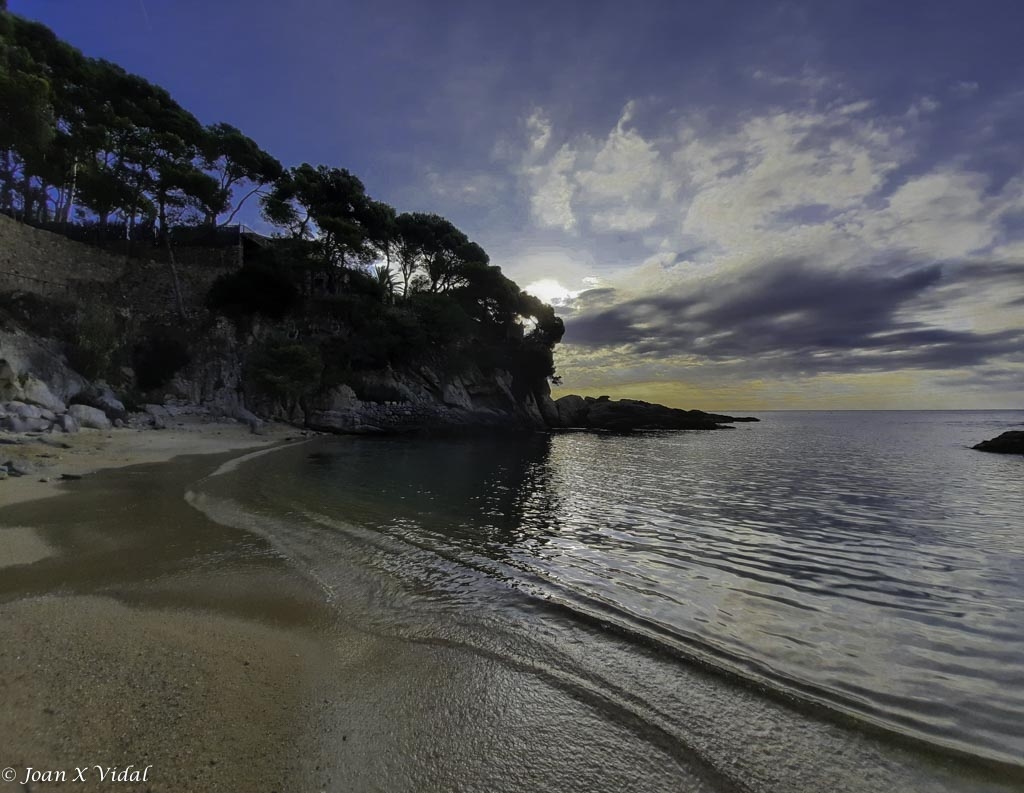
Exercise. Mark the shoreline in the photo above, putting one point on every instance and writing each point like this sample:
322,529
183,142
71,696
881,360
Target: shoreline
155,636
90,451
129,675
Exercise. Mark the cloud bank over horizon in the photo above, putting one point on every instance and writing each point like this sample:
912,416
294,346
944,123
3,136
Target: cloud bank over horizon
817,244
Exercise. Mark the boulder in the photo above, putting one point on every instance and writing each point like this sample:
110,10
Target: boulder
23,411
19,424
159,417
37,392
100,396
89,417
1011,442
247,417
66,423
26,359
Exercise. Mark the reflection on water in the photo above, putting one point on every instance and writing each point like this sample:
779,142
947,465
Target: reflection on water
869,562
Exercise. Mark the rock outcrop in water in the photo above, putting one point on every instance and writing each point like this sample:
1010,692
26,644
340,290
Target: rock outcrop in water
627,415
1011,442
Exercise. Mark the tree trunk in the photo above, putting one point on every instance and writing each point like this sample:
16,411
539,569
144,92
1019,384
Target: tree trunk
174,277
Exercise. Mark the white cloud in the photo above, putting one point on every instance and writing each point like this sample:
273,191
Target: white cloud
552,191
964,88
945,214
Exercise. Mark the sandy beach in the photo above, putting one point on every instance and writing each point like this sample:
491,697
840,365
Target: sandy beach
50,456
138,636
206,700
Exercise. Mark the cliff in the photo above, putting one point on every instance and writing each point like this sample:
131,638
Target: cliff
76,322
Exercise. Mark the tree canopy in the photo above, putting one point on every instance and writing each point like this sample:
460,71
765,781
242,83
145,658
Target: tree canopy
81,138
80,132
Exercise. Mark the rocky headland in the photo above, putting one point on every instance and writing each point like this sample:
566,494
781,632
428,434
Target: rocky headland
628,415
1010,442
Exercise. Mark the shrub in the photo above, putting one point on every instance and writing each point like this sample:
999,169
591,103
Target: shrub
256,288
95,340
285,369
158,357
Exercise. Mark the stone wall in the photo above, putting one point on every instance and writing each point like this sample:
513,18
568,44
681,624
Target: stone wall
44,263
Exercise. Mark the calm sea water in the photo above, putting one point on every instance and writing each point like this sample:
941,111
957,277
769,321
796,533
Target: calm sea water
840,584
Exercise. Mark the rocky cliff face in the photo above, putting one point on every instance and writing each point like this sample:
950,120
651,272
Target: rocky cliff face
426,400
56,272
34,371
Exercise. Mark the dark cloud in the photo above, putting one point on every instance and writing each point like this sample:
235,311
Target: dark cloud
789,316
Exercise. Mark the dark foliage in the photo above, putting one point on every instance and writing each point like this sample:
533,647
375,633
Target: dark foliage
159,356
257,288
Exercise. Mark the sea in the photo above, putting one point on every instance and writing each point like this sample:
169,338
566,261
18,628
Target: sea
821,600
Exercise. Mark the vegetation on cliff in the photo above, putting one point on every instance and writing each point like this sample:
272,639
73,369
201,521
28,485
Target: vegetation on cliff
348,284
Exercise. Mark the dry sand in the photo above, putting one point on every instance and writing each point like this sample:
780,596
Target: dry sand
210,701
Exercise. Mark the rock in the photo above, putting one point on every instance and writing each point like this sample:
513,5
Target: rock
232,408
66,423
254,422
1011,442
24,411
119,423
53,443
546,405
17,468
626,415
572,411
70,477
454,394
158,415
26,360
37,392
100,396
3,474
89,417
341,397
19,424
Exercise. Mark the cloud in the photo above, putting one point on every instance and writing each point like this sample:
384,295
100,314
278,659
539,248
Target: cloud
825,237
789,316
944,214
964,88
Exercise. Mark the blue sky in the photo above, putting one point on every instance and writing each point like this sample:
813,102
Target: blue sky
736,204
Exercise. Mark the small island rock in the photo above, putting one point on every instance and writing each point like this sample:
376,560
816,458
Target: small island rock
1011,442
627,415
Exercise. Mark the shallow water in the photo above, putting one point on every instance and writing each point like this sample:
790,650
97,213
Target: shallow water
847,586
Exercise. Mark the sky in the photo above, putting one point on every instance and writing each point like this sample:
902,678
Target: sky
733,205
